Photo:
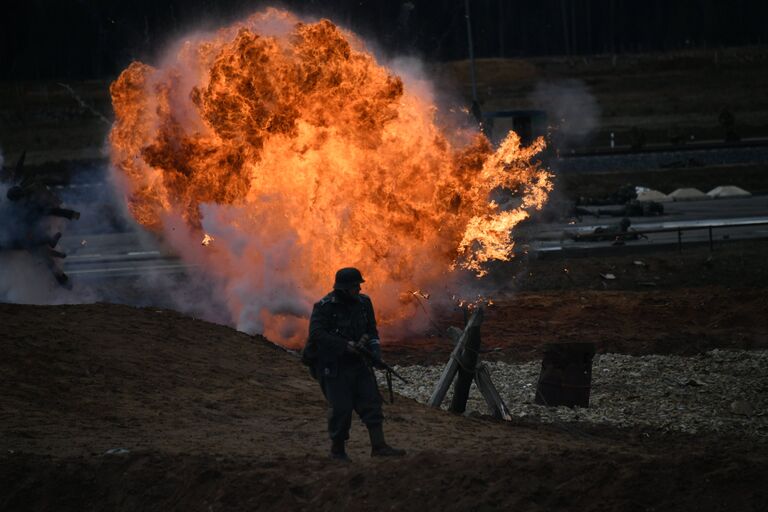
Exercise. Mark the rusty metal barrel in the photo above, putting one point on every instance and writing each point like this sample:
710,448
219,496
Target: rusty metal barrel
566,374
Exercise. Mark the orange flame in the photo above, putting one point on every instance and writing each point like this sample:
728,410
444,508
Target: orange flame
301,154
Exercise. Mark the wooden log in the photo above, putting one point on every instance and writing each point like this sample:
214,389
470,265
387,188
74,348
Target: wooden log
449,372
466,371
492,397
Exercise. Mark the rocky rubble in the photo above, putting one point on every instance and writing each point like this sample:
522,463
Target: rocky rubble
719,391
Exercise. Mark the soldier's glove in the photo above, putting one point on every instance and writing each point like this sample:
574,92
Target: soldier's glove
361,343
369,345
351,347
371,348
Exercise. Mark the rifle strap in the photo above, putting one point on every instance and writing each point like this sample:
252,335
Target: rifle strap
389,386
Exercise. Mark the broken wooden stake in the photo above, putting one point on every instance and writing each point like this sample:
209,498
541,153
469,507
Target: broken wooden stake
492,397
467,365
449,372
464,362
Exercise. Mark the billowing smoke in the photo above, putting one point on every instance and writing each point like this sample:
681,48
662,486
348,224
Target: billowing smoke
25,274
33,238
571,108
299,153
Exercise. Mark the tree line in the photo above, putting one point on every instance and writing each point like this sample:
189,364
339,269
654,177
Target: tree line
83,39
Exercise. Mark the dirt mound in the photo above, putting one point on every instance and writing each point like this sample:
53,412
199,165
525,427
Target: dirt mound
201,417
524,479
680,321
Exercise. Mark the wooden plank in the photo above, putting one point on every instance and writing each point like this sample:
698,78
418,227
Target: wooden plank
449,372
491,395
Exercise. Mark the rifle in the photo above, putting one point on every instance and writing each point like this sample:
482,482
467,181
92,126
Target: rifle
376,362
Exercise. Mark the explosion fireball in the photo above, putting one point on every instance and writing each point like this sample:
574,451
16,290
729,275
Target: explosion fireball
300,154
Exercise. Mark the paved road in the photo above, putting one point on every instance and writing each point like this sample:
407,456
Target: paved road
752,212
117,255
137,253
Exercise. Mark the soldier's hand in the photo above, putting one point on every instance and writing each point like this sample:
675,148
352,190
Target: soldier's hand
351,347
379,364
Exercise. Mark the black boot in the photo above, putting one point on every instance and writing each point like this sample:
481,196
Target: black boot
337,450
379,447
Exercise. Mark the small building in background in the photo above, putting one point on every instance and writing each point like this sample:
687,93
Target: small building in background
528,124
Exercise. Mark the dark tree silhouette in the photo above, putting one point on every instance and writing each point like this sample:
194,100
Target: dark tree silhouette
46,39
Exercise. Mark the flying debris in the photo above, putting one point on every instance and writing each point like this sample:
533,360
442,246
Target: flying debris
31,206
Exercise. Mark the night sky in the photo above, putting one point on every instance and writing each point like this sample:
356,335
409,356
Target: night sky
83,39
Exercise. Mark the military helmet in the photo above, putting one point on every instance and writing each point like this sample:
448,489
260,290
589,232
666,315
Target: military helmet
347,278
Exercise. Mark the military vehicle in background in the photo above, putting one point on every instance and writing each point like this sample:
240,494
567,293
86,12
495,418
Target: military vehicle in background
28,211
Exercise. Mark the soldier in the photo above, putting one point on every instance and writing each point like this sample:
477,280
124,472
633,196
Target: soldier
341,319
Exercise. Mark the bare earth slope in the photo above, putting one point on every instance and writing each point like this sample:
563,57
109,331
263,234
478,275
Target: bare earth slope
218,420
683,321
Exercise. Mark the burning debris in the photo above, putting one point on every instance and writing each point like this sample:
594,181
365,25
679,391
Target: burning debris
472,304
32,205
207,239
301,153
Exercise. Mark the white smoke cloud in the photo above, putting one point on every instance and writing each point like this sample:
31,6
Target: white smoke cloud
22,277
414,76
264,281
259,269
26,270
25,279
570,106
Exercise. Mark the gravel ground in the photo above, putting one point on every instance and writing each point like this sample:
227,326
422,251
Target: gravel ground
718,391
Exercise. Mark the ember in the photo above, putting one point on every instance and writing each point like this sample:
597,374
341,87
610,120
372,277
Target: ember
301,154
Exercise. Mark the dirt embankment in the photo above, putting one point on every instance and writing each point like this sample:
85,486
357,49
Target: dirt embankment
213,419
661,302
683,322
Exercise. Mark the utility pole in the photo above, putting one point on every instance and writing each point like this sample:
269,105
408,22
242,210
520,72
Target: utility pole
612,24
566,36
575,44
471,53
502,33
